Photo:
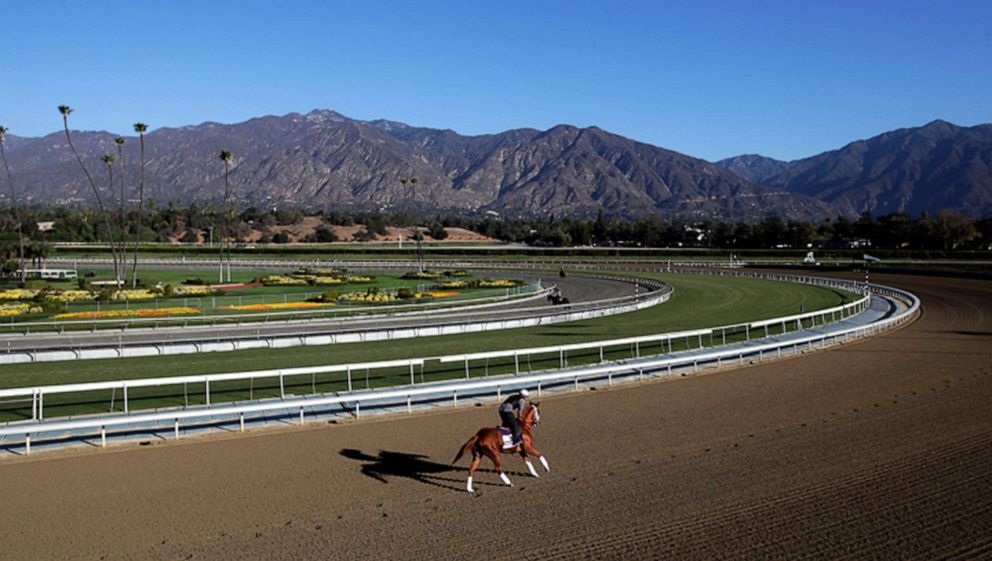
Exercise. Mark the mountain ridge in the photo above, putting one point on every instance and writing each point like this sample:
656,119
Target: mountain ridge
910,170
323,158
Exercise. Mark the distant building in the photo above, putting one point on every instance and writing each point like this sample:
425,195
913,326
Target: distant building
45,226
51,274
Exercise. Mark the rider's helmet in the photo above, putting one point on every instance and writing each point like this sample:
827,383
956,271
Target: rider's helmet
524,393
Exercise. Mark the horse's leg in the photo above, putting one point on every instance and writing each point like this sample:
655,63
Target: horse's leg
494,456
476,460
525,449
529,449
534,452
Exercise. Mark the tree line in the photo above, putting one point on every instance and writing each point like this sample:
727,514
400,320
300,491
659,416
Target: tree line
206,223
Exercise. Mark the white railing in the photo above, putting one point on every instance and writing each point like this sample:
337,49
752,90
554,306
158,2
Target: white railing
286,316
38,425
446,322
37,394
408,394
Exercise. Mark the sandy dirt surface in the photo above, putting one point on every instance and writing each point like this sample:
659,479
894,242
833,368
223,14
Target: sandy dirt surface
880,449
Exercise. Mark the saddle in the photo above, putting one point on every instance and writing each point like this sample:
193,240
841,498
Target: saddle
507,436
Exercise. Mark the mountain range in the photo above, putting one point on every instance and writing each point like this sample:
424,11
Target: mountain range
324,159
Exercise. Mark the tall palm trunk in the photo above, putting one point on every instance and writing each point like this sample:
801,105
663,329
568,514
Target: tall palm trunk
123,217
109,160
13,202
225,156
140,128
65,110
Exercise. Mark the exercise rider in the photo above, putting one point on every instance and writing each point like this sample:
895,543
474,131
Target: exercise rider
510,409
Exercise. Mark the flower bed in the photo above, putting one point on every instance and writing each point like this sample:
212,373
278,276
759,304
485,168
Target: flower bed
134,294
372,297
18,294
7,310
327,281
441,294
279,306
192,291
67,296
282,280
316,272
499,283
453,284
426,275
112,314
363,279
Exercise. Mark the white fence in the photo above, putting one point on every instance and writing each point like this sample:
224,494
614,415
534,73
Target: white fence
446,323
408,394
533,291
37,394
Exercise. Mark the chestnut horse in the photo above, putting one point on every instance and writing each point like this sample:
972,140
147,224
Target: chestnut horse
488,442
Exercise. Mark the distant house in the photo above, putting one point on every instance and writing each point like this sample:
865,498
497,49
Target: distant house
45,226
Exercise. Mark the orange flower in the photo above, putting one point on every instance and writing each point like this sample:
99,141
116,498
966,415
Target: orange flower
278,306
112,314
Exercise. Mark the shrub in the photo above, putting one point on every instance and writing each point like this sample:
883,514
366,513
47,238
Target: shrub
280,280
195,281
329,296
188,290
426,275
361,279
404,293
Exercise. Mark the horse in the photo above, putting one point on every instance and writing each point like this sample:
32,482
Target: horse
487,442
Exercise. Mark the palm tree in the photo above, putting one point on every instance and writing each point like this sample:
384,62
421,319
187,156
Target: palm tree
139,128
417,236
13,203
225,156
119,141
109,159
65,110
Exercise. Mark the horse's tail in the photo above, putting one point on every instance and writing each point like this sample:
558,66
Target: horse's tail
471,442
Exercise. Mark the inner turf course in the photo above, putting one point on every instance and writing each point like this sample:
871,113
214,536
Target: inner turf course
698,301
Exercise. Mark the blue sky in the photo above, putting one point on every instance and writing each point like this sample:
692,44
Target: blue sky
711,79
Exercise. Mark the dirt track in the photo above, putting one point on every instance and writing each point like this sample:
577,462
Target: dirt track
877,449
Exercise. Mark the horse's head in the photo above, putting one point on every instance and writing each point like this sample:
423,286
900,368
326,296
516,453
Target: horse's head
532,414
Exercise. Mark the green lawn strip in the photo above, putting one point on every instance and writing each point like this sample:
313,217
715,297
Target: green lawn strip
698,301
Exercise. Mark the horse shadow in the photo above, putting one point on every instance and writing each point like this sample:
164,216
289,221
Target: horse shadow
417,467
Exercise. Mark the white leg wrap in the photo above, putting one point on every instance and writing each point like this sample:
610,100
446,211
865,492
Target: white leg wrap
469,486
544,463
530,467
506,480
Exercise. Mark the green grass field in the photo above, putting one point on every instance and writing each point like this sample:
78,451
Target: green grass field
698,301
